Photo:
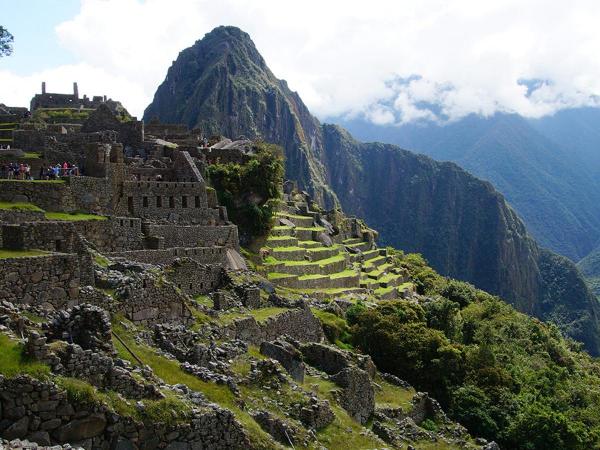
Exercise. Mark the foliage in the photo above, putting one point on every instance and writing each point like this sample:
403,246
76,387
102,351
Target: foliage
504,375
246,189
6,42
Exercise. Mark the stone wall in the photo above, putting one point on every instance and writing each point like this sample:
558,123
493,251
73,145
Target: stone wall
299,324
176,201
194,235
194,278
42,412
149,299
114,234
52,280
51,196
203,255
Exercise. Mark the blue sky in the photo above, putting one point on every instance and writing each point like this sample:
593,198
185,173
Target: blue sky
344,57
36,43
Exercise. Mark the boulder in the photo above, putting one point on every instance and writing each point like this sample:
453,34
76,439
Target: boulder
325,239
287,355
80,429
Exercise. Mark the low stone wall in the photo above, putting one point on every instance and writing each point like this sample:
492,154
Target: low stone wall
195,235
194,278
51,196
149,299
310,269
52,279
320,283
42,412
16,216
114,234
203,255
299,324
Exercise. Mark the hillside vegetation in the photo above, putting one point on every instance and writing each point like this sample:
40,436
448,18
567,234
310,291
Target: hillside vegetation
502,374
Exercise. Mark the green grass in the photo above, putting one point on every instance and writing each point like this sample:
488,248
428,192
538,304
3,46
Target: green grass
321,263
343,274
389,277
278,238
287,249
171,373
343,432
13,360
393,396
292,216
310,228
313,276
204,300
73,217
279,276
101,260
5,253
309,244
19,206
383,291
263,314
282,227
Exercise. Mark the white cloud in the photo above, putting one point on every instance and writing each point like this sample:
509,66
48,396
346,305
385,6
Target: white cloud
469,55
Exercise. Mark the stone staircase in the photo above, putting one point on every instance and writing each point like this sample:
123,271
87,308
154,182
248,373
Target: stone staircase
302,254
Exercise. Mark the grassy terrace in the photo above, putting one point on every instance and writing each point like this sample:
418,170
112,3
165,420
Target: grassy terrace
5,253
322,262
26,155
383,291
260,315
291,216
282,227
19,206
313,245
287,249
310,228
73,217
279,276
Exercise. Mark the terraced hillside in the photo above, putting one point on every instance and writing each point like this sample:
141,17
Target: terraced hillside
306,252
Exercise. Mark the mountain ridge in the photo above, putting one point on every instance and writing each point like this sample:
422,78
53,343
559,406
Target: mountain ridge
326,160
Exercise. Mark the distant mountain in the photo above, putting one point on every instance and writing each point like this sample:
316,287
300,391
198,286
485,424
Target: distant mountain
461,224
590,268
547,169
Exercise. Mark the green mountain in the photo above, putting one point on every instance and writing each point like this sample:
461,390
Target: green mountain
550,183
590,268
461,224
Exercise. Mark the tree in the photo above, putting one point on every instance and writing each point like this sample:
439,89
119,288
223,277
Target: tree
6,41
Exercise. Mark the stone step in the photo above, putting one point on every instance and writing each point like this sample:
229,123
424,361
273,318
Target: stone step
309,244
352,241
320,253
308,233
321,281
282,241
375,262
362,246
371,254
386,293
309,268
392,279
289,253
282,231
298,220
324,294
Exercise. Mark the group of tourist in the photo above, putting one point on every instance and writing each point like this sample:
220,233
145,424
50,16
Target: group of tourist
22,171
16,171
53,172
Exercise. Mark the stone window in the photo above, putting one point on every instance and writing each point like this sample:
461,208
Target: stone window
197,201
130,205
184,201
145,201
171,202
158,201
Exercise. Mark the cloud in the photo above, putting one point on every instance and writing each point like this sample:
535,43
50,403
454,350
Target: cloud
345,57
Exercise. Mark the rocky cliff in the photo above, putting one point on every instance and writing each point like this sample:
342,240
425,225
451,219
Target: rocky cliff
222,85
460,223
